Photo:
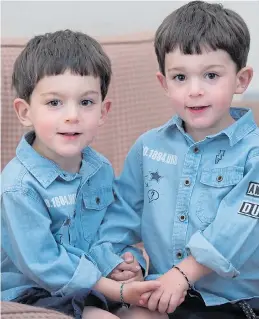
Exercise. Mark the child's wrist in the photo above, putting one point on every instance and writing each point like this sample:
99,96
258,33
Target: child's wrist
124,304
185,276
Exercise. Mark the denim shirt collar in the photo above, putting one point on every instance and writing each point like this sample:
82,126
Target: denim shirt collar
47,171
244,124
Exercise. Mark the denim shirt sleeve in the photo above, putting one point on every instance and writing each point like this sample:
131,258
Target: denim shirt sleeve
122,222
30,244
228,242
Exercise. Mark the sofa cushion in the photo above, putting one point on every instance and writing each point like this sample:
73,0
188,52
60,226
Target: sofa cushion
12,310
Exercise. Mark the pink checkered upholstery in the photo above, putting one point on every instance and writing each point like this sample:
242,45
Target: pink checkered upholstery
12,310
138,102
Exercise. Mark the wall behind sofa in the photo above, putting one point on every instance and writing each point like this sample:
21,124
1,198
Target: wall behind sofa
109,18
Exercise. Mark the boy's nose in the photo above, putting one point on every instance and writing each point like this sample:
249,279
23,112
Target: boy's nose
72,115
195,89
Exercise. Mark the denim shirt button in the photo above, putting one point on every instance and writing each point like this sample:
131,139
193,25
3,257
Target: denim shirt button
97,200
187,182
182,217
220,178
196,150
179,255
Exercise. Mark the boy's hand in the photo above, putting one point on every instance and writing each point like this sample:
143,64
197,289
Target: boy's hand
128,270
137,277
169,296
132,291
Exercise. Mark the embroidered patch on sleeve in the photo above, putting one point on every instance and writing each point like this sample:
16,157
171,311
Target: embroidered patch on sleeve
249,209
253,189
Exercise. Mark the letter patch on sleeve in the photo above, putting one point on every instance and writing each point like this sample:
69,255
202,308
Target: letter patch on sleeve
249,209
253,189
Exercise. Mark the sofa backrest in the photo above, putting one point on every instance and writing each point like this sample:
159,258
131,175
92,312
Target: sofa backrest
138,101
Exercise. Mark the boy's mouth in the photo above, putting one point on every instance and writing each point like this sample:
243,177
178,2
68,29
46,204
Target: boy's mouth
69,134
198,107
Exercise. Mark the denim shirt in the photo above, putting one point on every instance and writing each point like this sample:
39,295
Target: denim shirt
183,197
49,220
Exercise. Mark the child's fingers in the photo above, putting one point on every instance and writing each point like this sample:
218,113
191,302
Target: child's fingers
164,302
123,275
130,267
144,298
116,271
128,257
172,304
180,301
146,286
154,299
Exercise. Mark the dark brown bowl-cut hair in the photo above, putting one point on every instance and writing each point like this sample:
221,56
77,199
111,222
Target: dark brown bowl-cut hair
55,53
198,25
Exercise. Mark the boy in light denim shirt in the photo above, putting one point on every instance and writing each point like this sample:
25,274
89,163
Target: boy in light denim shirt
190,188
56,190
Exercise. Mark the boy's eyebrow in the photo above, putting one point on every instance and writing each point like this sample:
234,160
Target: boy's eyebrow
60,94
176,69
90,92
219,66
181,69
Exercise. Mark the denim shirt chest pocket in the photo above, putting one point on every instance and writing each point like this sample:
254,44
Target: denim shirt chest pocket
214,185
95,203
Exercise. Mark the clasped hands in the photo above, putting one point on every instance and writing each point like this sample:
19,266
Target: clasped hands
165,299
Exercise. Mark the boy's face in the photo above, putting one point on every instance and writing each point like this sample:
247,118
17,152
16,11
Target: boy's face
65,111
201,88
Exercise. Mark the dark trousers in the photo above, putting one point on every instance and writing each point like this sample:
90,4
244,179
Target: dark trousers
71,305
194,308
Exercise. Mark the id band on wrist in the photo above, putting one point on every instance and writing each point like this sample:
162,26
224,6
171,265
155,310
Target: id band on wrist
189,284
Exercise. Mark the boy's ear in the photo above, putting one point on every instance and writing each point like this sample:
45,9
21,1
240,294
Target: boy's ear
162,80
244,77
22,110
106,106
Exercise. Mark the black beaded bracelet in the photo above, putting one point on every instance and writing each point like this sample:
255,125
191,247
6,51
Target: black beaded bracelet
189,284
124,304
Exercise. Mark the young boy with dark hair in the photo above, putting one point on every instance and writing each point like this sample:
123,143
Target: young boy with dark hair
56,190
190,188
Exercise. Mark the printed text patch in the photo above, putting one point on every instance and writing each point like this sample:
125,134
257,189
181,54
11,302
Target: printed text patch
253,189
249,209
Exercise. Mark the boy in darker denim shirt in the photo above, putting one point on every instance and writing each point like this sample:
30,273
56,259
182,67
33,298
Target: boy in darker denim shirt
56,190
